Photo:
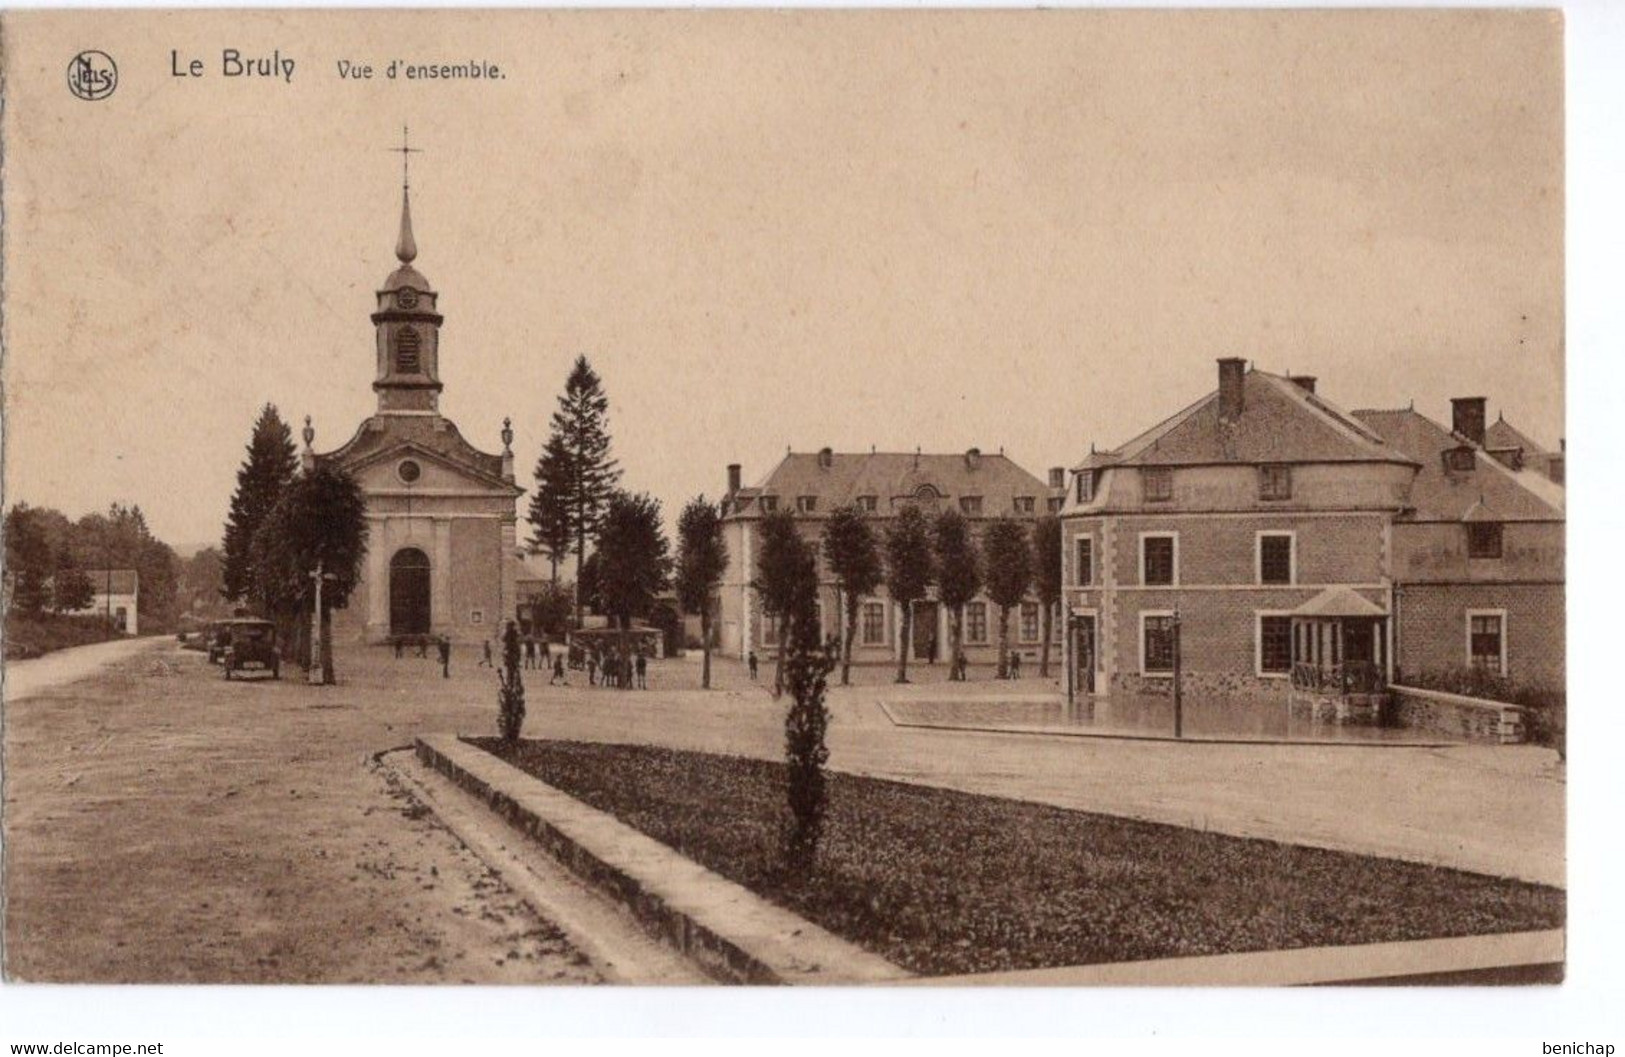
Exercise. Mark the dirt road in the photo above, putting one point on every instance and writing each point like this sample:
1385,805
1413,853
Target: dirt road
163,825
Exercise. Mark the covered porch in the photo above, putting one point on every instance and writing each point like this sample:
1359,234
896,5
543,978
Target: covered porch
1340,655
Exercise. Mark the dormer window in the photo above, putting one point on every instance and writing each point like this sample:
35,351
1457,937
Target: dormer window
1157,484
408,348
1275,481
770,503
1459,460
868,503
1024,504
1085,486
806,504
970,505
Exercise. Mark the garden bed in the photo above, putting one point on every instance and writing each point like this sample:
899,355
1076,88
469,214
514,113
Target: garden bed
944,882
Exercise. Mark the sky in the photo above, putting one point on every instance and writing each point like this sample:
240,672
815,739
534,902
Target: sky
1023,230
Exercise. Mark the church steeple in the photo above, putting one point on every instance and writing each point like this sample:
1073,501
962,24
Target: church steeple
408,327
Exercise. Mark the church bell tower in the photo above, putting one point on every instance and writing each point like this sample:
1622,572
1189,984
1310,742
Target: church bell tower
408,380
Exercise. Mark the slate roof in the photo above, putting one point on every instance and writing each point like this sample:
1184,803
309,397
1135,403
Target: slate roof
385,433
1502,434
1491,491
895,475
1280,422
124,581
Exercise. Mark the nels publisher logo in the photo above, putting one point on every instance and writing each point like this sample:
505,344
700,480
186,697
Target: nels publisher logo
92,75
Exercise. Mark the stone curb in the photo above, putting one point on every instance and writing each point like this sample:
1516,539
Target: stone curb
1459,957
733,934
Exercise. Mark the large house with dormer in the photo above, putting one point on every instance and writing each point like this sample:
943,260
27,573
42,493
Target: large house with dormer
982,487
1266,528
441,548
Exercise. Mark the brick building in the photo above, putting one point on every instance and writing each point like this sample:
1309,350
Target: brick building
1235,513
441,550
1477,555
982,487
1279,527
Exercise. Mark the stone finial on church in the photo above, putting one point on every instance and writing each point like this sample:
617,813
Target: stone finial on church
507,449
307,458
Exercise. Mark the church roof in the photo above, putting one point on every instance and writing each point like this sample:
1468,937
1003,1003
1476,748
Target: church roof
431,434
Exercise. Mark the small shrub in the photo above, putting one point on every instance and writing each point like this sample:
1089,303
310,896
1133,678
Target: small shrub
511,694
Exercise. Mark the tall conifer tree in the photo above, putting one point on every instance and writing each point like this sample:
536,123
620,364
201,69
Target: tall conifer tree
264,475
582,424
550,518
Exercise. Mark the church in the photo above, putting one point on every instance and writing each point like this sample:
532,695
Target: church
441,547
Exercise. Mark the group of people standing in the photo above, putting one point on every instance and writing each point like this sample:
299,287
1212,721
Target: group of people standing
612,668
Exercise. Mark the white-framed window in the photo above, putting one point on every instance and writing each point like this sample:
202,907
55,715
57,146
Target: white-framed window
1156,483
1487,639
1024,504
769,503
1277,558
806,504
1272,644
873,619
970,505
477,616
1085,574
1030,631
1159,558
867,503
1085,484
1055,503
976,623
1157,642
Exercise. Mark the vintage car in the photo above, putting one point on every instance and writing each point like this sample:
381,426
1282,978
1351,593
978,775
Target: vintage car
250,646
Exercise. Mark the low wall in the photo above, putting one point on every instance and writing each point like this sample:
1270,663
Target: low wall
1472,718
1198,683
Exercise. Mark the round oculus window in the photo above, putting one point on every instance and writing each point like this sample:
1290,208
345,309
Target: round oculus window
409,471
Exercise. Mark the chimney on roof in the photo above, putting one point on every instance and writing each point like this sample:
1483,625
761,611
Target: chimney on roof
973,458
1467,417
1057,477
826,458
1306,382
733,477
1232,373
1557,465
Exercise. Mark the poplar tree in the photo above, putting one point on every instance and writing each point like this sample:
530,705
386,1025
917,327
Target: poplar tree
853,557
265,474
959,577
702,558
1009,558
910,570
780,566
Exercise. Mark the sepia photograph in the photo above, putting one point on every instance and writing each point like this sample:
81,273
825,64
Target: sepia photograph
889,498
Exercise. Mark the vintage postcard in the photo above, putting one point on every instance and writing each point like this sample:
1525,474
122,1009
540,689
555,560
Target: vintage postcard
896,498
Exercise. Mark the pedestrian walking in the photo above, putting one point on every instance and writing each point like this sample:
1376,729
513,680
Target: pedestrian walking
485,662
445,657
1015,664
752,663
558,671
399,643
643,671
530,652
592,668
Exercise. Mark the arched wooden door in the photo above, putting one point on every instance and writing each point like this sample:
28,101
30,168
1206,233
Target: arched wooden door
409,592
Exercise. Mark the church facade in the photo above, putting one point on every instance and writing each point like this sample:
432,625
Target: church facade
441,514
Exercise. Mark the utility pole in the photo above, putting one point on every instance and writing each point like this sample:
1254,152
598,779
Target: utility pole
315,677
1179,701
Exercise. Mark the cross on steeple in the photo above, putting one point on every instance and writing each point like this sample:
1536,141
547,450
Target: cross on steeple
406,150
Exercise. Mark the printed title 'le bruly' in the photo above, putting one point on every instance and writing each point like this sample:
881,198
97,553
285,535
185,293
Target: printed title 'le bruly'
233,63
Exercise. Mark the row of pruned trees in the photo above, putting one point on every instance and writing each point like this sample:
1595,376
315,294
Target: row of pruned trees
912,555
